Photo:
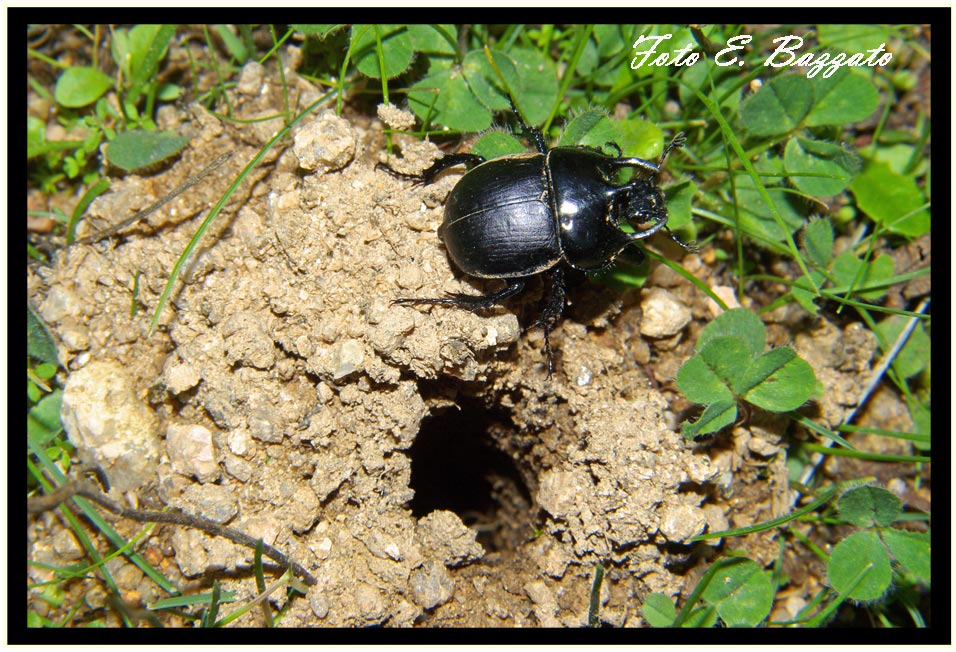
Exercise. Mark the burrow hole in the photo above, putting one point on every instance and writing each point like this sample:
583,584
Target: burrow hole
456,466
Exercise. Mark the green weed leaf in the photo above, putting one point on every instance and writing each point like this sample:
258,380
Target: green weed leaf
741,592
147,47
726,357
818,168
852,272
43,419
497,143
134,150
869,506
915,354
658,610
778,107
860,560
716,416
740,323
804,295
704,616
698,382
818,241
397,49
578,129
892,200
757,219
778,381
841,99
446,98
81,86
537,84
911,551
434,39
40,343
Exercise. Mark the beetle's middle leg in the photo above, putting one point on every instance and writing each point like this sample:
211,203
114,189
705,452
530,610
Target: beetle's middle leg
471,302
552,313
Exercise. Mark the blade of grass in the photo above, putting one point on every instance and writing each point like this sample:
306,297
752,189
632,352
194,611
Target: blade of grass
829,494
732,140
150,65
594,608
261,583
194,242
864,455
93,514
92,193
700,285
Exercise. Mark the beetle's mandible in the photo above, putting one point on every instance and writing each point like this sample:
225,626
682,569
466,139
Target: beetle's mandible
522,215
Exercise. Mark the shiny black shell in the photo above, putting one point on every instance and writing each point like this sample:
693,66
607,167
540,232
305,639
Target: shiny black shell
520,215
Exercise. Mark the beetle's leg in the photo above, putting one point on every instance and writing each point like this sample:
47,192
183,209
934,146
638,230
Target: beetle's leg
611,143
472,302
534,134
689,246
648,166
451,160
657,223
436,168
552,313
616,164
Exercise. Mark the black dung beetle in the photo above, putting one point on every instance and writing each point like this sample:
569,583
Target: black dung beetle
521,215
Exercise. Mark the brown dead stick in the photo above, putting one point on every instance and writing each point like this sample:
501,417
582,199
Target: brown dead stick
69,490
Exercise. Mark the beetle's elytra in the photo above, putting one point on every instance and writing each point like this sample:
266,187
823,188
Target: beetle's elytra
518,216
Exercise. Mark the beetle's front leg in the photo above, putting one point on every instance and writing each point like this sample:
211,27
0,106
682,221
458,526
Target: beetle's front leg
645,166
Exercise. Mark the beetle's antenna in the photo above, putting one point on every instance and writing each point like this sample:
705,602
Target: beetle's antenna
678,142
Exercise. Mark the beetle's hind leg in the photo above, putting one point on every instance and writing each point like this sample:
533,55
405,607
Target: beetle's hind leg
451,160
471,302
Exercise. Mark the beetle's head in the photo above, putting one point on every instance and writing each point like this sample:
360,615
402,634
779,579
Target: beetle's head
640,202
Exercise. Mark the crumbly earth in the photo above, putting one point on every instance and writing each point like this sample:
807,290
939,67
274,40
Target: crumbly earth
416,460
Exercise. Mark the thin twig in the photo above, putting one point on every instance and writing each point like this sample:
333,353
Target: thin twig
69,490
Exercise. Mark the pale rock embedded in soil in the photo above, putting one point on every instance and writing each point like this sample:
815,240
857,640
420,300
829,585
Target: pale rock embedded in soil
191,451
110,424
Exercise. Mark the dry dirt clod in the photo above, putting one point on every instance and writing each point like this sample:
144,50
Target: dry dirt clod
431,585
325,144
663,315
